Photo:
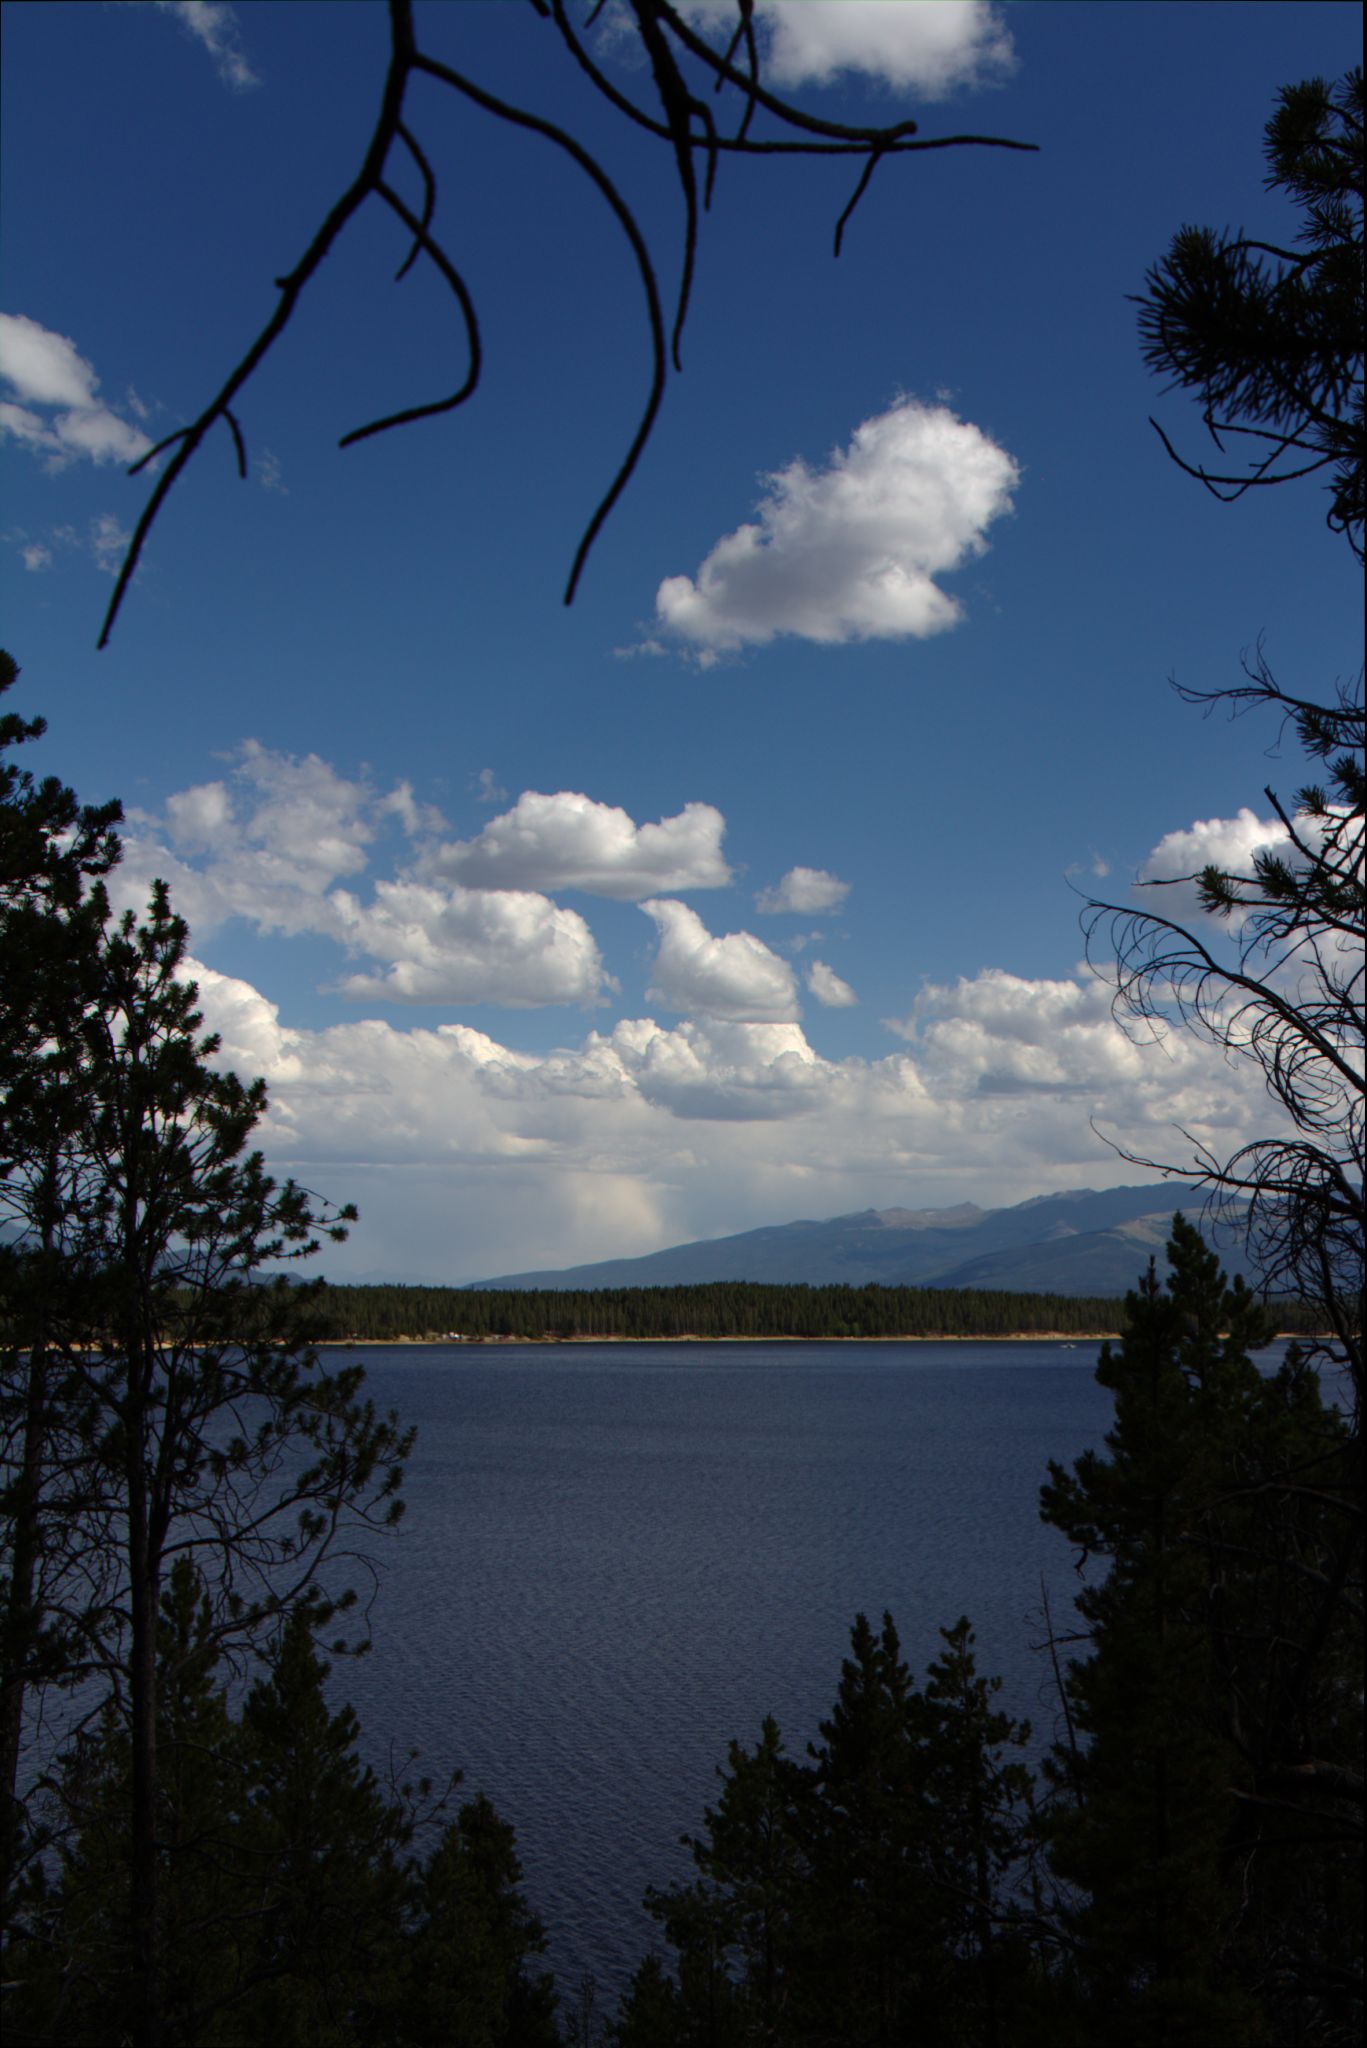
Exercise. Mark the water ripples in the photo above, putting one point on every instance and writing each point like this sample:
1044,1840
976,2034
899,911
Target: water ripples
617,1558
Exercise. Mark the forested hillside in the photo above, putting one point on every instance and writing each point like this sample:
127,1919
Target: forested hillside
730,1308
384,1315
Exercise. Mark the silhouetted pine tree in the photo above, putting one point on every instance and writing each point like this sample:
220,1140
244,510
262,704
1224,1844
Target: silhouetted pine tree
1222,1689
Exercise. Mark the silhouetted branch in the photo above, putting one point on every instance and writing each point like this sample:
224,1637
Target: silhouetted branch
1228,488
429,199
858,193
422,240
290,288
238,442
682,120
520,118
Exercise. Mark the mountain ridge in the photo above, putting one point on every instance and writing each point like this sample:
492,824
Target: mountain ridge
1082,1241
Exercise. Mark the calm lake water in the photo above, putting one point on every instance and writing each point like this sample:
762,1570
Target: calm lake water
617,1557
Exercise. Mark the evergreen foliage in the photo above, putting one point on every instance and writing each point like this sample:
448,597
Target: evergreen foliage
866,1895
53,852
1189,1871
295,1910
717,1309
1270,339
1204,1821
158,1402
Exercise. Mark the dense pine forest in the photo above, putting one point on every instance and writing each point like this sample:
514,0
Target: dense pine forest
725,1309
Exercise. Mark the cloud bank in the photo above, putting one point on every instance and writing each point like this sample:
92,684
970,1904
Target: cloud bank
648,1134
471,1155
852,551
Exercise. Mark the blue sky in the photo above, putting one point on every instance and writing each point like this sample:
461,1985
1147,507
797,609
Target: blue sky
746,888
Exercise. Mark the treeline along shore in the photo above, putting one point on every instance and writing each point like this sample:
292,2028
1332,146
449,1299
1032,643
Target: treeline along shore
722,1310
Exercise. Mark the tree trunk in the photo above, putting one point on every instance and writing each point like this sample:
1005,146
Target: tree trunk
20,1620
19,1616
143,1585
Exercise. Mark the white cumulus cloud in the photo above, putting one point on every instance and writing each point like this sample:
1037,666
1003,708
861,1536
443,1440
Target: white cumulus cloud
724,1072
1230,844
929,47
46,369
648,1134
829,990
1005,1034
803,892
272,842
468,946
735,977
569,841
214,25
852,551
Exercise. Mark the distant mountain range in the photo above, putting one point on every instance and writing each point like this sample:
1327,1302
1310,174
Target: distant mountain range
1082,1242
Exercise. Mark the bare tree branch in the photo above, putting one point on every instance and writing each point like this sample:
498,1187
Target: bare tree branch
681,118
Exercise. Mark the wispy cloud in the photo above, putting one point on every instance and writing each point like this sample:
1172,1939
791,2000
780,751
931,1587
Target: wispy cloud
214,25
852,551
109,540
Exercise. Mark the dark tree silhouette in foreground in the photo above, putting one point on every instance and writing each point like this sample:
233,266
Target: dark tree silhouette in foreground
1277,353
1270,339
52,851
1208,1826
295,1908
682,67
1286,992
160,1398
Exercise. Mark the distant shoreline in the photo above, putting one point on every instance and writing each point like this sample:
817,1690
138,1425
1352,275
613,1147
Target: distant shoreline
689,1337
453,1343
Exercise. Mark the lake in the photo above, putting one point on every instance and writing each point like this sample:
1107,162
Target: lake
617,1557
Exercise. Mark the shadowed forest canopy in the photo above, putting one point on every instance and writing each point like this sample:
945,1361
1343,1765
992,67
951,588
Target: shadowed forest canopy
379,1315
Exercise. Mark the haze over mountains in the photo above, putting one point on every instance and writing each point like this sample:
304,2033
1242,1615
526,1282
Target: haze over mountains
1081,1242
